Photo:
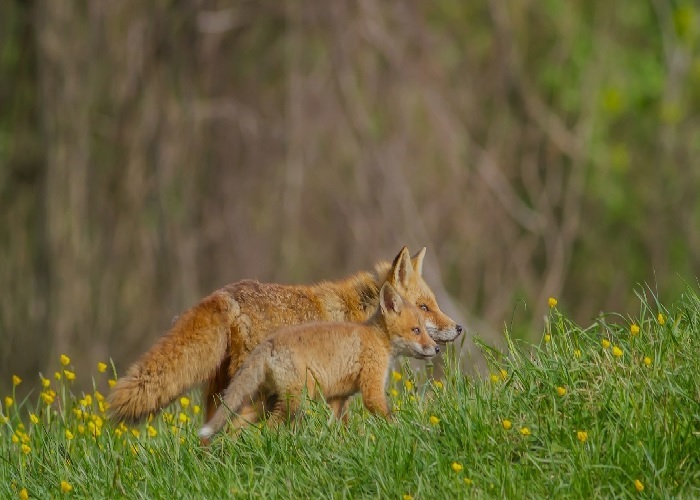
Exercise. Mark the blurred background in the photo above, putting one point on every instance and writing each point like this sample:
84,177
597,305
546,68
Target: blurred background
151,152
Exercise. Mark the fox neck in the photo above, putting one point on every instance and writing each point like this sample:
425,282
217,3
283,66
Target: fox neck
357,296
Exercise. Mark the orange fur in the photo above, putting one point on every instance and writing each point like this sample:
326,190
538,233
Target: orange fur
209,342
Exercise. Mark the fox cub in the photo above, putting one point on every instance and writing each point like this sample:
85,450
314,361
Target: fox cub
336,360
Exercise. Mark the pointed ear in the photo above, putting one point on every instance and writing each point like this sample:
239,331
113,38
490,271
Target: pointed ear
401,269
417,261
390,300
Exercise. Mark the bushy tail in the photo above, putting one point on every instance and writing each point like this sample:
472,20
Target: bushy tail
247,380
186,355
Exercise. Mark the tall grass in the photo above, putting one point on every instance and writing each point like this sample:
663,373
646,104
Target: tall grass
610,410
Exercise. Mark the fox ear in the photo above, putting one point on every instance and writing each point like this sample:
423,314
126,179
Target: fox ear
389,299
401,269
417,261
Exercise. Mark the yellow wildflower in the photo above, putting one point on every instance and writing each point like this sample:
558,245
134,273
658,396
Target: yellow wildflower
26,449
647,360
9,401
152,432
33,418
81,429
606,343
111,382
25,438
23,494
639,485
15,438
661,319
69,374
167,417
525,431
65,360
438,384
409,385
79,414
504,374
183,418
434,420
98,421
66,487
394,393
456,466
101,367
3,419
577,353
102,406
507,424
16,380
196,409
561,390
617,352
184,402
407,497
495,378
582,436
99,396
634,329
88,400
396,376
45,382
136,433
547,337
552,302
467,481
69,435
57,375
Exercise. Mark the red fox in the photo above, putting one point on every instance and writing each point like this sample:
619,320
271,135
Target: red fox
335,359
210,341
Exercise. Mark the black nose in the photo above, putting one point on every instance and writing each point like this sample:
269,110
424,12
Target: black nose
459,329
437,349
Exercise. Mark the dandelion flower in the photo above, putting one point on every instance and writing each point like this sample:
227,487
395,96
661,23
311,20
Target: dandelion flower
438,384
547,337
495,378
582,436
647,360
561,391
23,494
15,438
617,352
33,418
456,466
504,374
525,431
434,420
101,367
57,375
184,402
467,481
26,449
136,433
577,353
605,343
507,424
111,382
69,375
639,485
409,385
9,401
16,380
99,396
183,418
634,329
45,383
152,432
65,360
661,319
81,429
396,376
552,302
69,435
407,497
196,409
394,393
66,487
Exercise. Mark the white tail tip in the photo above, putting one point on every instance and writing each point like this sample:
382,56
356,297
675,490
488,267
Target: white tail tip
205,432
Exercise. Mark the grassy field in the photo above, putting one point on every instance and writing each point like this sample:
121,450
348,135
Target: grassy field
611,410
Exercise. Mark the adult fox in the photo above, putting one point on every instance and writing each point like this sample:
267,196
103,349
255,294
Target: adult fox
210,341
336,360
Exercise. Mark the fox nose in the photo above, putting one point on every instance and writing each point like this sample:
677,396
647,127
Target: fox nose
459,329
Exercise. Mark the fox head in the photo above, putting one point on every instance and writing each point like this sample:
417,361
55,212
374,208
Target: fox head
406,276
405,326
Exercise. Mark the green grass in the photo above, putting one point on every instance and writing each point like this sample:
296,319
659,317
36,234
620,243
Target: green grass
642,423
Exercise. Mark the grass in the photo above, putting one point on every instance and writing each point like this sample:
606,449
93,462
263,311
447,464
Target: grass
604,411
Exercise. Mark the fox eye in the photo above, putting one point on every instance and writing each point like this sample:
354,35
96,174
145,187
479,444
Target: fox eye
416,330
424,308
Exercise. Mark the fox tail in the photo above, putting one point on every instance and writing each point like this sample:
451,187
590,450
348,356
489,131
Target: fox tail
247,380
189,353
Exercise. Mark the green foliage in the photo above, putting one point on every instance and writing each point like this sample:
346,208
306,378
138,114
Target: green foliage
587,412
